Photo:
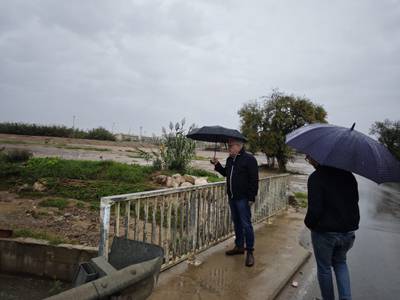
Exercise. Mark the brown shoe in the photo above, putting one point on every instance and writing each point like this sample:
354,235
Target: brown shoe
235,251
249,259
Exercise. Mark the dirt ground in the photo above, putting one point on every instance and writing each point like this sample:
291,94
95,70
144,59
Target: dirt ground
71,224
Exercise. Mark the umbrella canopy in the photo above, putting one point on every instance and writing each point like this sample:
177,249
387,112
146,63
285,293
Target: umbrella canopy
217,134
348,149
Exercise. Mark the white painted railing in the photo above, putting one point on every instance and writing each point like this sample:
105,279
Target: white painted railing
183,220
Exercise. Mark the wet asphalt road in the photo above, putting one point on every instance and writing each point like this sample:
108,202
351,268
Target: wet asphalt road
374,261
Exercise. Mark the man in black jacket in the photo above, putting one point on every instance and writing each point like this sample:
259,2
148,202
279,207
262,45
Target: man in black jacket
332,216
241,172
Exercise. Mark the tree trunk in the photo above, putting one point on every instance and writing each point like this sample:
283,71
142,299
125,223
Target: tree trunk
281,164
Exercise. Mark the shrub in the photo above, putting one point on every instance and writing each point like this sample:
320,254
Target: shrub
100,133
176,151
17,155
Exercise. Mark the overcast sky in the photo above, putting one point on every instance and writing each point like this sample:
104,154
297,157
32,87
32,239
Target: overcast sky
144,63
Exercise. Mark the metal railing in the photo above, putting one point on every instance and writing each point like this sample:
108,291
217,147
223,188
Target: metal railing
183,220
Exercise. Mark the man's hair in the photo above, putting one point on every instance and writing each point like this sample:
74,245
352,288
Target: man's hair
236,141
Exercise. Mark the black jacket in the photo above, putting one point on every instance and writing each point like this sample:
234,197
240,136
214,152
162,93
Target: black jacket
332,201
241,175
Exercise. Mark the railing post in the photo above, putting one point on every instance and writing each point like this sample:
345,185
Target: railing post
105,209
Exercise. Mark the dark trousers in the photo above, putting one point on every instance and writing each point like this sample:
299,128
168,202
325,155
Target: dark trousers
330,249
241,218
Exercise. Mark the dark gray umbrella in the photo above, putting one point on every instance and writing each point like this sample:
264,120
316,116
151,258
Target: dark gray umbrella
348,149
216,134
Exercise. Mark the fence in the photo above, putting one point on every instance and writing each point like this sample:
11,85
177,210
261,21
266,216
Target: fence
183,220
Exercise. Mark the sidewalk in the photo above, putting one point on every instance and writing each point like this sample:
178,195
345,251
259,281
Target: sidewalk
278,256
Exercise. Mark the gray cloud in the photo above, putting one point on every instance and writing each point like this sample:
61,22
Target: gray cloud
144,63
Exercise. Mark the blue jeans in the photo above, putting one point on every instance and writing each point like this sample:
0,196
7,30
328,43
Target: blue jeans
241,218
330,249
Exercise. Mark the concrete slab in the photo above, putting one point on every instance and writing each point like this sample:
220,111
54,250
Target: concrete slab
278,255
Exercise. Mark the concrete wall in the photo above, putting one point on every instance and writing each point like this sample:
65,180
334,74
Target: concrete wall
35,257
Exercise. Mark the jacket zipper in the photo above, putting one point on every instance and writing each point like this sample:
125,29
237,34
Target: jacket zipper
230,179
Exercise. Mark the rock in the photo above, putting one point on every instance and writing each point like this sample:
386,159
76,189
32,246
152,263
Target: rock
161,179
179,178
67,215
39,187
175,182
168,183
295,284
200,181
186,184
189,178
23,188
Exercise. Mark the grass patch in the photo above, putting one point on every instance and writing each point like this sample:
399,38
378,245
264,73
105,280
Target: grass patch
85,170
53,240
301,198
54,202
82,180
80,204
199,157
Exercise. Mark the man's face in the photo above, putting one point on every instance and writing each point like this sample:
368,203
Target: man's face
234,147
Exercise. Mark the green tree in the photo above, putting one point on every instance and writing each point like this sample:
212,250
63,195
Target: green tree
267,123
251,119
388,133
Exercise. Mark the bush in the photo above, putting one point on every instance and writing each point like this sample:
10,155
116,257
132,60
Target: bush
100,134
16,155
40,130
176,151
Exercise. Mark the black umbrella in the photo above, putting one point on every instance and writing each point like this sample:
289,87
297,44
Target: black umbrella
216,134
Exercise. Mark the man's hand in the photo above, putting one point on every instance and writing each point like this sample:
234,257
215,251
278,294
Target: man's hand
214,161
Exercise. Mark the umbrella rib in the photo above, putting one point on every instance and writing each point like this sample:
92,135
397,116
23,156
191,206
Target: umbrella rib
333,148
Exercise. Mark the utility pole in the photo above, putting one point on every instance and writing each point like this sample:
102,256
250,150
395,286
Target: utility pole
112,129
